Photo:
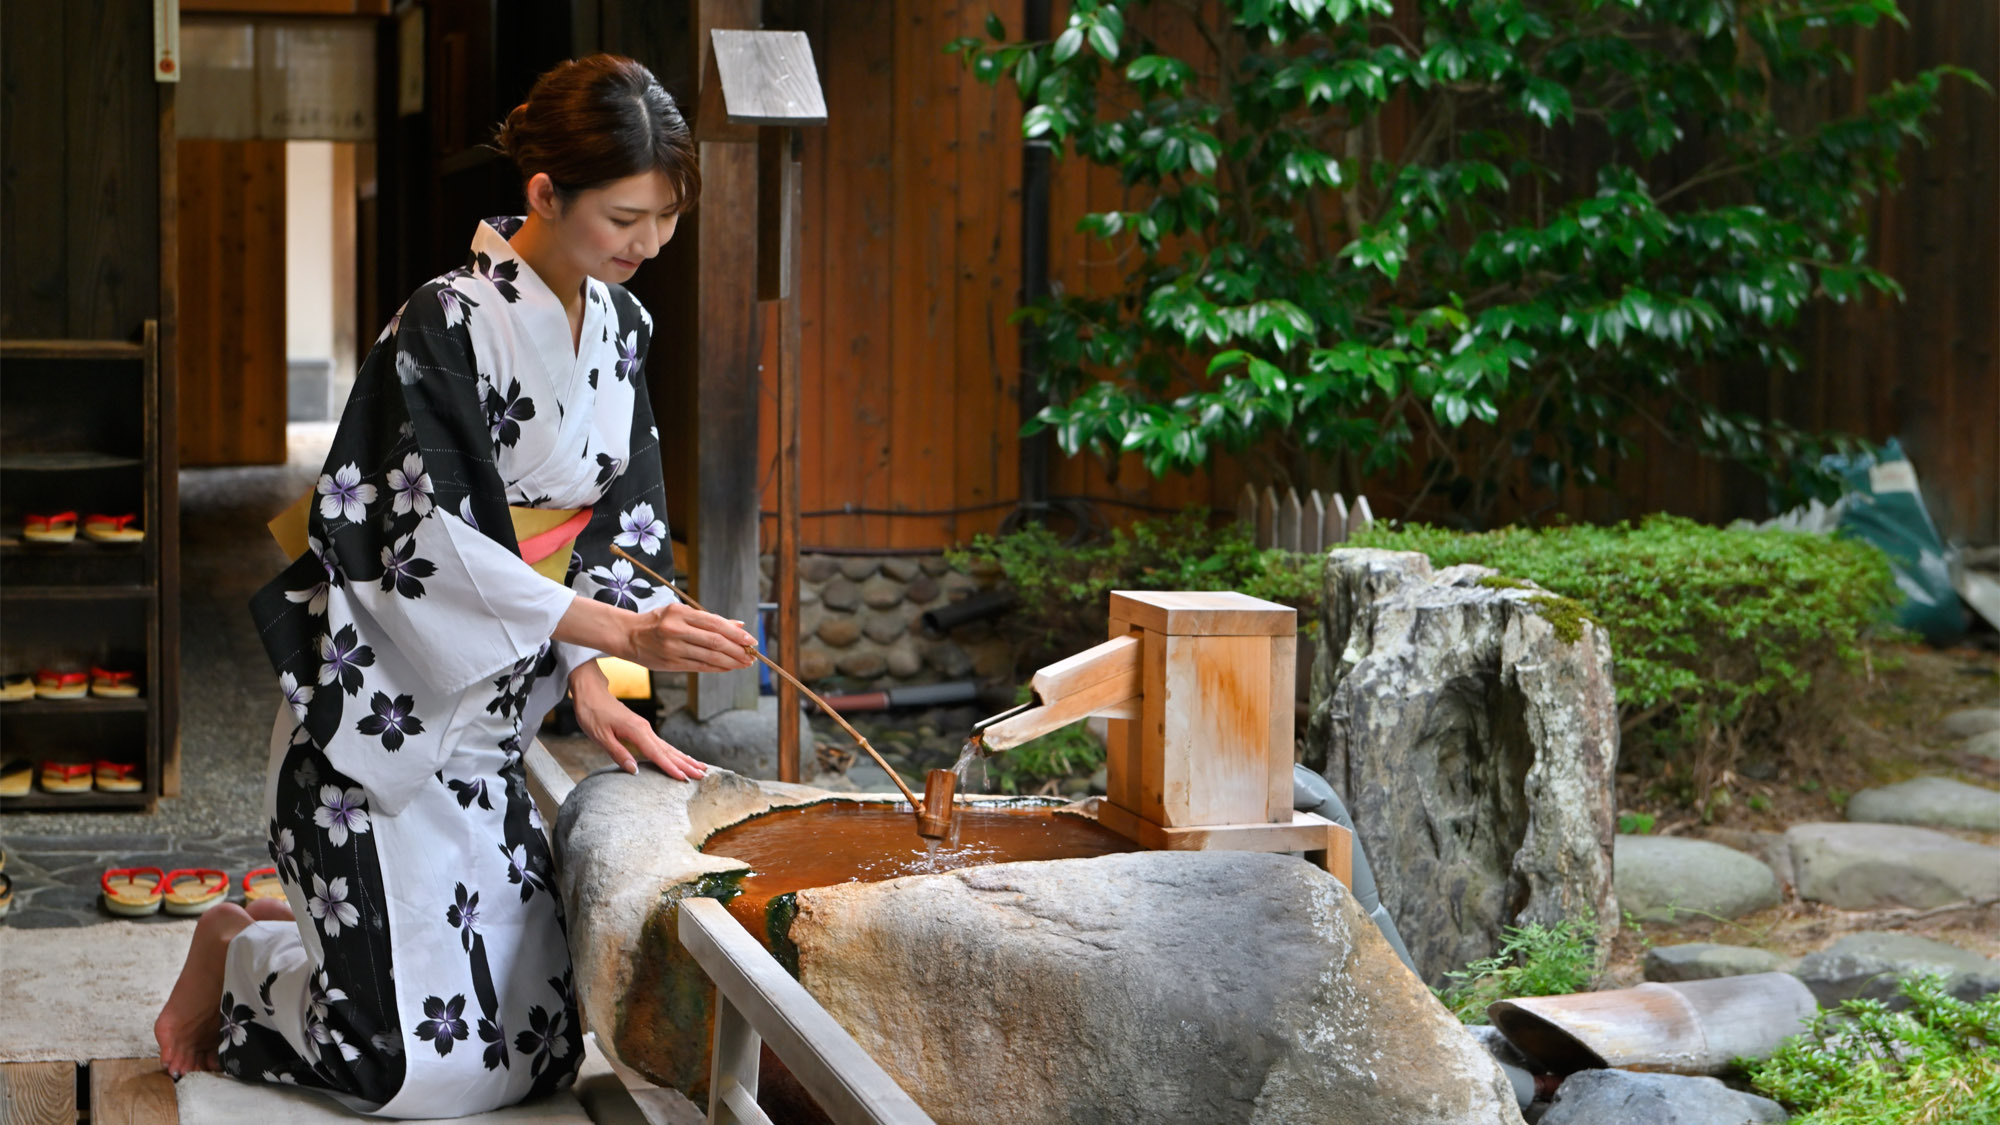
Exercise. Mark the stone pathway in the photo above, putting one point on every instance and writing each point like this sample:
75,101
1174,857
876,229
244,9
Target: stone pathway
1875,866
1936,802
56,876
1662,878
1872,963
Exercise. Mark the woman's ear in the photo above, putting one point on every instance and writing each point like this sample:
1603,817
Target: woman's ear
542,199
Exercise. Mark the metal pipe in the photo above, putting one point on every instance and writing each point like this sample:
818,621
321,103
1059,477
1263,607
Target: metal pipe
978,607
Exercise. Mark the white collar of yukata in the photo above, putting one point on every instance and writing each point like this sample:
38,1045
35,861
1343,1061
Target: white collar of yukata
490,238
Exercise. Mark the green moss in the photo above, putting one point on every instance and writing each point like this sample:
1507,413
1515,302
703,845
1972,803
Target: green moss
1502,582
1565,615
778,916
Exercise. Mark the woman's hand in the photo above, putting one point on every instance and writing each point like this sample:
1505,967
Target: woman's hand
676,638
673,638
618,729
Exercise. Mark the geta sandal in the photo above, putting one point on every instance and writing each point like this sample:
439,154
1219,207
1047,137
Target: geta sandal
116,777
129,893
192,890
260,883
58,528
66,777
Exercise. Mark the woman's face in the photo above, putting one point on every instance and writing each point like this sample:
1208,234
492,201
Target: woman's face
608,231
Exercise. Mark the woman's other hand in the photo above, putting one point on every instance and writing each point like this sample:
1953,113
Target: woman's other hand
619,730
676,638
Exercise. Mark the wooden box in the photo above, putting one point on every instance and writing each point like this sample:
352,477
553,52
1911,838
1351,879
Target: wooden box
1212,744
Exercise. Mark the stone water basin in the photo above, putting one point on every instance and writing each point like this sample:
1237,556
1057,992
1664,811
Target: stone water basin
1114,986
866,841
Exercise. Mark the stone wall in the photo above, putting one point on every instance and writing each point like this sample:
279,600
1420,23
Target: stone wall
859,627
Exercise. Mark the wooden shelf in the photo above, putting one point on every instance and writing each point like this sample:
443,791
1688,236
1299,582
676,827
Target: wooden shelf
92,425
95,593
68,462
72,349
91,800
88,705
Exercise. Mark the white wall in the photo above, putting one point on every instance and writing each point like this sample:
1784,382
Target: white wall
309,250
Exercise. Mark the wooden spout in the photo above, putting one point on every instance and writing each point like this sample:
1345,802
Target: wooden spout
934,818
1097,681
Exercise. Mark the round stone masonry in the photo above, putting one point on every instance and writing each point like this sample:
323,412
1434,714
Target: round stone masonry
1668,878
1875,866
1936,802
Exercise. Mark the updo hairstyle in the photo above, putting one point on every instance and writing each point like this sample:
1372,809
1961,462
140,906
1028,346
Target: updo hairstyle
590,121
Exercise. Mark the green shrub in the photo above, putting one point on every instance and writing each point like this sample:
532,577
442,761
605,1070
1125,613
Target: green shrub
1070,751
1720,639
1534,960
1936,1063
1064,590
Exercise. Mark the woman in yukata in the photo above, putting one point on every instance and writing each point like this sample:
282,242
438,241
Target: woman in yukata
418,966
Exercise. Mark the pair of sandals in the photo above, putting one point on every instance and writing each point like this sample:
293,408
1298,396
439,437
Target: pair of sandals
79,777
61,528
133,892
50,683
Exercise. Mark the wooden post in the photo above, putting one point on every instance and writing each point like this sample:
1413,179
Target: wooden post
761,85
785,576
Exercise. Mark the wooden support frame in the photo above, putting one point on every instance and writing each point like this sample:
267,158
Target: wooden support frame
758,1002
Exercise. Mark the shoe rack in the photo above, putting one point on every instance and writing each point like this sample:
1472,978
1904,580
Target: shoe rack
86,426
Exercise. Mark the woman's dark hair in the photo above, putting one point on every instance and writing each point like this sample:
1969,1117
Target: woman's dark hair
590,121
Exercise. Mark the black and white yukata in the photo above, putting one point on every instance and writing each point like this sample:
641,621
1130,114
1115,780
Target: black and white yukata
427,974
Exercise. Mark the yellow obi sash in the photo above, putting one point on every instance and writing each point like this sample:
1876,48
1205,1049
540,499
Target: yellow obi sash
547,536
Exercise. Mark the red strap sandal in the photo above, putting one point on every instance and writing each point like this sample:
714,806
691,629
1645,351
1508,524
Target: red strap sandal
58,528
112,529
261,883
51,684
112,684
66,777
128,892
116,777
192,890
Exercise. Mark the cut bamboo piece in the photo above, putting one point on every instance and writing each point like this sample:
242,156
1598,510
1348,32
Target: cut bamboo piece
1688,1027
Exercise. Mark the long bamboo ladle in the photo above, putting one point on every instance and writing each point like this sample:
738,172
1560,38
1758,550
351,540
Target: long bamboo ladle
926,826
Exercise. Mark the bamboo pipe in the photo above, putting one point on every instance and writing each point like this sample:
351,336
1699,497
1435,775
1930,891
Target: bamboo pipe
915,804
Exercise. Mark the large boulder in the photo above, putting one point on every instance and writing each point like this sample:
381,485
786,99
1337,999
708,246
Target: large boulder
628,853
1469,723
1870,866
1669,878
1152,986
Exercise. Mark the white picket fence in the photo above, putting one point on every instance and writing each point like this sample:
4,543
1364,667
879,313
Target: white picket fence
1315,523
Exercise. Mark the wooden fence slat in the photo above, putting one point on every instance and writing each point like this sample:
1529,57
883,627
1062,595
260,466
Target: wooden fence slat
1312,533
1267,517
38,1093
1246,508
1360,517
1336,521
1290,512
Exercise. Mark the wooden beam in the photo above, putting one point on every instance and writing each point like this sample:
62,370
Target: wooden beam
785,572
131,1092
38,1093
849,1085
1328,844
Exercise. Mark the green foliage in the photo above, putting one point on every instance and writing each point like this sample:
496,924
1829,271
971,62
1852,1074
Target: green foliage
1534,960
1718,637
1590,199
1063,590
1635,824
1937,1062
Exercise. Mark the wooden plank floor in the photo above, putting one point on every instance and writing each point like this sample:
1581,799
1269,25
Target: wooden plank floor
38,1093
121,1092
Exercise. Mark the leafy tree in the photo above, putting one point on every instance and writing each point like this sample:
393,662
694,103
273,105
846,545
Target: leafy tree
1588,200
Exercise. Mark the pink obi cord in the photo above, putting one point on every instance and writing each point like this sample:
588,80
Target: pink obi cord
535,548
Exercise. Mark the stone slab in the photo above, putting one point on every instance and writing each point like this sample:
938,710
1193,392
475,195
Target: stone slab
1936,802
1625,1097
1871,963
1876,866
1669,878
1701,960
1971,720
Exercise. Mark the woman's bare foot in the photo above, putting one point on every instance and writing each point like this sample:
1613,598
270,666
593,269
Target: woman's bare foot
190,1026
270,910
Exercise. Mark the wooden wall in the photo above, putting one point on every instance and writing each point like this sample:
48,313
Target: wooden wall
80,177
232,292
912,264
